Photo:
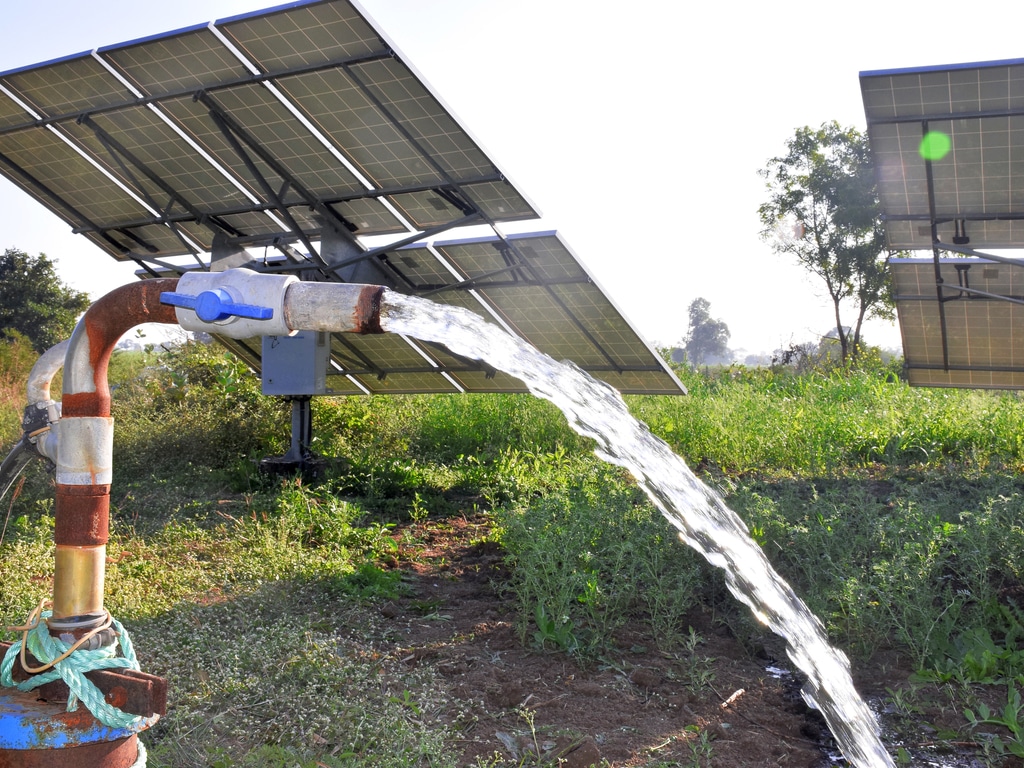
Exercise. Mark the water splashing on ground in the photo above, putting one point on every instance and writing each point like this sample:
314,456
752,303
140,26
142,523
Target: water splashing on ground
596,410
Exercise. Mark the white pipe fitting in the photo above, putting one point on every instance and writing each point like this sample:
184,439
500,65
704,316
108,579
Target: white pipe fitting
232,289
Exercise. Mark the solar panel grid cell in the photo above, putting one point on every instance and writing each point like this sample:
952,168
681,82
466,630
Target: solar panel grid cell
57,166
369,216
273,128
337,106
193,61
67,87
11,112
155,145
427,122
303,36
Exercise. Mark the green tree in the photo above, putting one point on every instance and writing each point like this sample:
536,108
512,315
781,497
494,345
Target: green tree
34,301
706,338
823,210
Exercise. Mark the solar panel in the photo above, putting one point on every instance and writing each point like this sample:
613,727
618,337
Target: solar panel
979,182
284,140
974,338
948,147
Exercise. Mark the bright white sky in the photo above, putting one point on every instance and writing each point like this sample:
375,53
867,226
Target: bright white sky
637,128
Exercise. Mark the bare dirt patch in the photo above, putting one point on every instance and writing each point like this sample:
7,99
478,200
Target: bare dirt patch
637,705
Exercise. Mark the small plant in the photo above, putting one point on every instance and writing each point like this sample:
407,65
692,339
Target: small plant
557,633
405,701
370,582
1009,718
700,747
698,671
529,715
418,510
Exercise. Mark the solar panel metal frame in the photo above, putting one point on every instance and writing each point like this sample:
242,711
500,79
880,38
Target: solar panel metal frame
301,130
954,332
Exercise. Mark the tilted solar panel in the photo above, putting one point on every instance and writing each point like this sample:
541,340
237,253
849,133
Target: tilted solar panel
948,147
974,338
979,108
283,140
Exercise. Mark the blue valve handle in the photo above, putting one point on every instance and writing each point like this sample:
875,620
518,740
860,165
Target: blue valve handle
216,304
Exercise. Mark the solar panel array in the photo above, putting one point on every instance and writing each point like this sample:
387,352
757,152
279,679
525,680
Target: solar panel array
302,131
969,340
958,193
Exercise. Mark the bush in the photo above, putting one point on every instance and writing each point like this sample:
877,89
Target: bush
16,360
587,557
200,406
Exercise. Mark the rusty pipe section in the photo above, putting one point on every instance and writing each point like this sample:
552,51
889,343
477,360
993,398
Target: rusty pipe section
238,303
333,307
84,447
85,365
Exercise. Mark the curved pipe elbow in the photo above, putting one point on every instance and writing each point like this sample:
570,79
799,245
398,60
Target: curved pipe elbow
86,392
42,373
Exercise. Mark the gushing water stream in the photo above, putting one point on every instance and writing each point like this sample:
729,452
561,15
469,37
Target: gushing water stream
596,410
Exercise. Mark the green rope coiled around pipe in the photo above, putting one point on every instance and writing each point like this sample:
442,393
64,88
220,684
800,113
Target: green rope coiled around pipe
72,671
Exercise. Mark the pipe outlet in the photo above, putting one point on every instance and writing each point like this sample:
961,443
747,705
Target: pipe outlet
241,304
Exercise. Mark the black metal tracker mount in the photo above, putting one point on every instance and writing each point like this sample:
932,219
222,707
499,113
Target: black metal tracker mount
299,459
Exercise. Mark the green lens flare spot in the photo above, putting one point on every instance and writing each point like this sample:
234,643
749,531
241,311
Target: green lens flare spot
935,145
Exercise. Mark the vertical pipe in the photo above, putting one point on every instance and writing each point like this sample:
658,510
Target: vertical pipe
84,461
85,445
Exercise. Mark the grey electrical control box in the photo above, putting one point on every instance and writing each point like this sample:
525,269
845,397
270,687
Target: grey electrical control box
296,365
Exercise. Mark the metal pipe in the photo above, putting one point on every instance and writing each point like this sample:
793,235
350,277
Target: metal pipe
85,444
85,366
77,434
337,307
42,413
85,431
42,373
226,303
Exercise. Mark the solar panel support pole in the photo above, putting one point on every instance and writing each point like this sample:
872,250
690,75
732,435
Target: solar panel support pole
227,254
344,257
930,179
299,459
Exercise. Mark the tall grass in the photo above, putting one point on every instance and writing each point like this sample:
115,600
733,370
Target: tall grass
764,421
895,512
16,360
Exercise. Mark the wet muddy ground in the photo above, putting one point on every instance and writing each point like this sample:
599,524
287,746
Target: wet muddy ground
715,704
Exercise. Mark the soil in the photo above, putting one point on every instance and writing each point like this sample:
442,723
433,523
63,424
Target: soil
633,707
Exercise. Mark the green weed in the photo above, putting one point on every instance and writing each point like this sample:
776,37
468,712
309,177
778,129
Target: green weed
700,747
556,632
592,555
895,512
1009,718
